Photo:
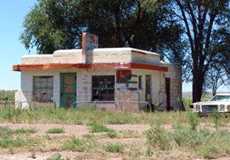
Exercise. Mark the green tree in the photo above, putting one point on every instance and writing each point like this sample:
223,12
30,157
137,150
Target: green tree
202,21
206,31
55,24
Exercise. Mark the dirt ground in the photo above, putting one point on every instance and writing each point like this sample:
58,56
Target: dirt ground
80,131
70,131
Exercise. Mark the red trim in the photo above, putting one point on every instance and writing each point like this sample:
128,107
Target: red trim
55,66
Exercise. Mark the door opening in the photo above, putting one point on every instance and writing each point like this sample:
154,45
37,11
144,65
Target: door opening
68,90
148,93
167,91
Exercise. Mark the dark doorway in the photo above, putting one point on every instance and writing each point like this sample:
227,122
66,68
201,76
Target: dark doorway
167,90
148,93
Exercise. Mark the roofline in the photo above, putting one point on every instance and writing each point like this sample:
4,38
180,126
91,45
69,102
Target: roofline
57,66
131,50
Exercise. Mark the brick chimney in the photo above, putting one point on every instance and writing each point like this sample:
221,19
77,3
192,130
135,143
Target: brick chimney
89,42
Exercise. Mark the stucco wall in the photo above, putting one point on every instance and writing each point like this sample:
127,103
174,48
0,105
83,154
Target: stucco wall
175,86
84,86
26,92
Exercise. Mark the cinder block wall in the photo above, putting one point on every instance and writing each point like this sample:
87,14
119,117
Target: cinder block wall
84,87
175,86
26,93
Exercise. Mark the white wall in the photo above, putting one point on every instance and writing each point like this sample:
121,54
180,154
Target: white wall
157,82
84,84
27,85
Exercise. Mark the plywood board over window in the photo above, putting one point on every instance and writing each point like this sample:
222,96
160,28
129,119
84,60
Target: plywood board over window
43,88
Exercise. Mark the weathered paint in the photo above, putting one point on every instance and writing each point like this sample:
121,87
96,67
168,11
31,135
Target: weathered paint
68,97
84,84
101,62
52,67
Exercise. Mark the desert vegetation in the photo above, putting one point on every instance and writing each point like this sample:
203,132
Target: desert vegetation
96,134
88,133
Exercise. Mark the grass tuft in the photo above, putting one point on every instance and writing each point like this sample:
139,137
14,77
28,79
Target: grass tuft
56,156
95,128
80,145
193,120
114,147
25,131
15,142
55,131
5,131
205,143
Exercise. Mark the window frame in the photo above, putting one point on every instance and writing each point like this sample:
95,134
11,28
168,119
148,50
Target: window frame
41,85
112,95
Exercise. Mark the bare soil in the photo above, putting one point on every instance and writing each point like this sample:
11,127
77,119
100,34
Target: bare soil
80,131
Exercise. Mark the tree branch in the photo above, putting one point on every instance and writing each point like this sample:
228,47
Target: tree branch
186,24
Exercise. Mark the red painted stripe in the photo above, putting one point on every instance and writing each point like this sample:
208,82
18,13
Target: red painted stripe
55,66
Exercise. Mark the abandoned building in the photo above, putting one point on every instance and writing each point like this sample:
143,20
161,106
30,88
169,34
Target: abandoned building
124,79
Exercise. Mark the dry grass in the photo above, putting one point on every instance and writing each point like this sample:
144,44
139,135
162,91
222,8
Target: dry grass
172,135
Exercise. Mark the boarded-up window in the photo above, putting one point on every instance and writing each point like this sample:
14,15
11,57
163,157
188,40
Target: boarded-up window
43,88
103,88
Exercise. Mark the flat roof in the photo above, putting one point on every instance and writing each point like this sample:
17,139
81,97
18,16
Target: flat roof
96,50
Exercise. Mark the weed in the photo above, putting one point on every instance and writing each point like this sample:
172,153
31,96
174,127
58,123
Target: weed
56,156
216,119
5,131
193,120
129,134
95,128
25,131
203,142
114,147
48,114
158,137
55,130
112,134
77,144
11,142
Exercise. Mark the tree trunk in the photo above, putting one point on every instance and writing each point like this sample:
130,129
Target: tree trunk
197,86
214,89
179,71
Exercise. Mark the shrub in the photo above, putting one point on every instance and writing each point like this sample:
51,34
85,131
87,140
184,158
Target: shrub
77,144
216,119
11,142
5,131
114,147
56,156
203,142
186,137
95,128
193,120
112,134
158,137
24,130
55,130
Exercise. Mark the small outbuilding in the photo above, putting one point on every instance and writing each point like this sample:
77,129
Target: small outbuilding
124,79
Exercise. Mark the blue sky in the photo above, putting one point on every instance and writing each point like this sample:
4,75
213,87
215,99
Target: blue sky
12,14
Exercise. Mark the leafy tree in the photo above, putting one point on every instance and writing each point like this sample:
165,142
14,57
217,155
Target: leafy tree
52,25
216,77
202,21
55,24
